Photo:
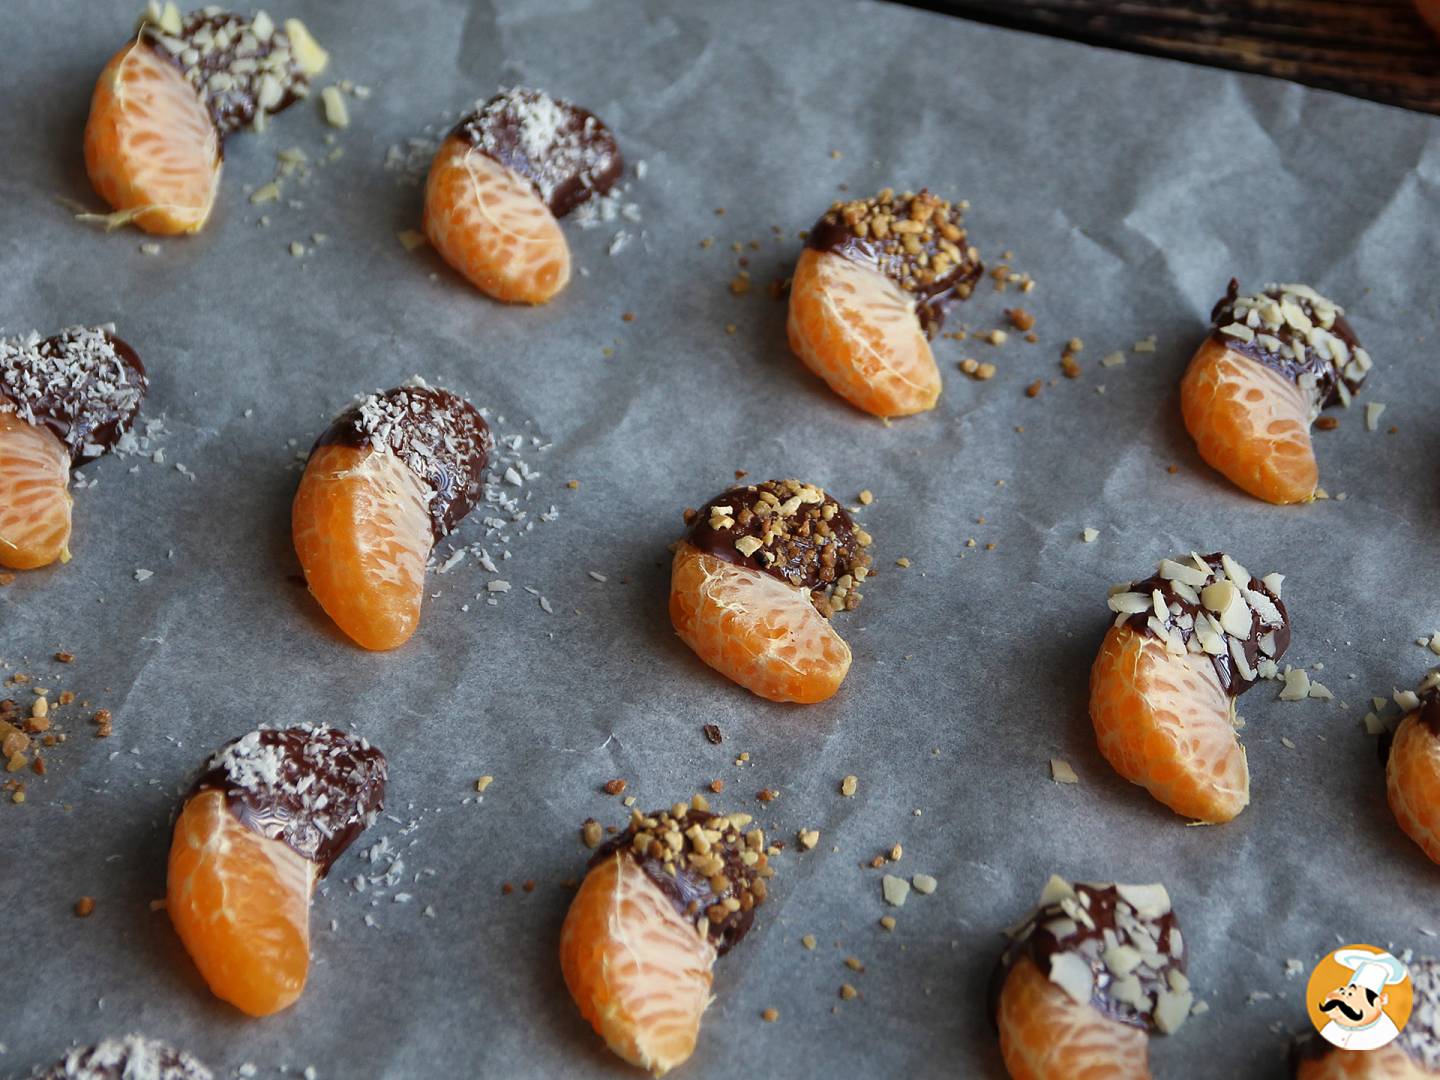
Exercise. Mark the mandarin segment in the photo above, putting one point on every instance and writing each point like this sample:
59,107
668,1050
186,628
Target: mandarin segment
754,629
362,532
240,903
639,973
34,495
1412,782
857,330
1250,424
1047,1035
151,148
1164,722
487,222
1389,1062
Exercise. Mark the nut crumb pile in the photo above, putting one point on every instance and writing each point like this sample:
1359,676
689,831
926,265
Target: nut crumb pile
712,867
1299,333
1117,947
794,531
1211,605
916,239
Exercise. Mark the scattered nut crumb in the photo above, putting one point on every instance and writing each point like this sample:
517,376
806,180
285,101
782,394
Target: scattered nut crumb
770,1015
84,906
484,782
1062,773
849,785
614,787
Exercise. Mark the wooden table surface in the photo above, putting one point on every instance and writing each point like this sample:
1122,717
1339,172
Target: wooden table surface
1377,49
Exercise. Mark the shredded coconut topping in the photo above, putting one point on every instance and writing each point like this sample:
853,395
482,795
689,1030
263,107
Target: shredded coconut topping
133,1057
83,384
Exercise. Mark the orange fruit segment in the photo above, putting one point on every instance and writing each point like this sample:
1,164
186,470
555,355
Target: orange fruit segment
241,905
1412,783
363,534
639,972
755,629
1046,1035
1250,423
151,149
1164,722
858,331
34,495
1389,1062
489,223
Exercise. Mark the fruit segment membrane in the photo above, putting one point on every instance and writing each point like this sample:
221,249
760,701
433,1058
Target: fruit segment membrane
639,972
1047,1035
363,534
755,629
34,495
489,224
151,149
1164,722
241,905
1250,424
858,331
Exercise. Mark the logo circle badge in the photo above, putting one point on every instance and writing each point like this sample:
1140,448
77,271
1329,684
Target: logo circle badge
1359,997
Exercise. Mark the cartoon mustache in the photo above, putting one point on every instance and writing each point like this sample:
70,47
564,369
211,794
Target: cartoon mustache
1346,1010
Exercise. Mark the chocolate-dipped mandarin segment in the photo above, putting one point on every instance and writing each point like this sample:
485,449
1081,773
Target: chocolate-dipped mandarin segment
502,178
1415,1055
132,1057
917,240
873,281
1271,362
1086,978
659,904
84,384
389,477
1184,644
755,580
64,400
1412,767
268,818
792,531
166,101
563,150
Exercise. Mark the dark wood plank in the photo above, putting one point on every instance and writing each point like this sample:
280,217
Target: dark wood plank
1377,49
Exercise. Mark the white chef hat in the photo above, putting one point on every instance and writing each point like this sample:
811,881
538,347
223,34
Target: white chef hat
1373,971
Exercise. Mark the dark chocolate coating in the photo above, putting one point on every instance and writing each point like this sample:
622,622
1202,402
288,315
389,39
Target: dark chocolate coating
580,161
235,107
83,384
131,1058
316,789
1041,946
688,891
440,437
1230,680
813,553
889,257
1325,371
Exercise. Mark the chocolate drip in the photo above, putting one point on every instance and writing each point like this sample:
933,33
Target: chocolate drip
1088,923
315,788
232,69
1233,681
439,436
789,530
1295,358
688,890
564,150
865,232
85,385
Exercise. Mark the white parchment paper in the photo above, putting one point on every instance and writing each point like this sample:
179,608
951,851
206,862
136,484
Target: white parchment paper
1131,189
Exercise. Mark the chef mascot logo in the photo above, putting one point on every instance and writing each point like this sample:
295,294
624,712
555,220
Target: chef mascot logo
1359,997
